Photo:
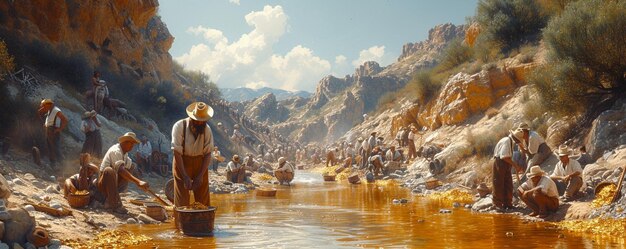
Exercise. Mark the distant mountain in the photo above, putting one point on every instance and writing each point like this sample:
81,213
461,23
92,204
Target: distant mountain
245,94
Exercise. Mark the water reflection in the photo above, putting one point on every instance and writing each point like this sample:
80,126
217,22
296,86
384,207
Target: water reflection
313,213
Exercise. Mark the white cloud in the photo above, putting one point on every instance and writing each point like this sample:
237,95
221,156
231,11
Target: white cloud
250,60
340,59
374,53
235,2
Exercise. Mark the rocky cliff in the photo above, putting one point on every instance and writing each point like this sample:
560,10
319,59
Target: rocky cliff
266,109
123,36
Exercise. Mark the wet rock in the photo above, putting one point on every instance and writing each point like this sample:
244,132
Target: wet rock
56,205
445,211
483,204
20,225
369,177
131,221
456,205
29,208
4,246
509,234
468,206
417,191
146,219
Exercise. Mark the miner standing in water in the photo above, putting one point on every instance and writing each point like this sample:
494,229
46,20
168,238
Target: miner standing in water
192,143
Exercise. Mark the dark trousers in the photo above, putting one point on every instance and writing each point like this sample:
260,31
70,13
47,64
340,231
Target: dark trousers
540,203
53,140
502,184
109,185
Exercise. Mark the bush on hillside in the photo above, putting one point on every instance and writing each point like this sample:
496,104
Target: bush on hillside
422,86
507,24
456,53
586,48
198,79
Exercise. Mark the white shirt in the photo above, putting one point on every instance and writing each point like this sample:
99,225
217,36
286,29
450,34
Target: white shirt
232,166
392,156
504,148
51,118
573,166
287,167
193,147
534,140
349,152
548,186
144,150
411,136
113,155
88,125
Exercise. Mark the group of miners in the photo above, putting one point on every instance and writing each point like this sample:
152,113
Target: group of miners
524,150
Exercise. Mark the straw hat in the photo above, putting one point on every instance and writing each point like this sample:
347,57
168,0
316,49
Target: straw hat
360,139
517,134
563,151
46,101
89,114
373,133
281,160
236,158
523,126
129,136
534,171
199,111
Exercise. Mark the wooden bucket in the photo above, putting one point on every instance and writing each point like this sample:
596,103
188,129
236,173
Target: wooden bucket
432,183
267,192
78,201
155,211
601,185
339,170
354,179
329,178
195,222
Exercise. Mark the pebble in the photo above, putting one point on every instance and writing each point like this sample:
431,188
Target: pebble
56,205
51,190
456,205
131,221
509,234
445,211
18,181
468,206
396,201
36,197
29,208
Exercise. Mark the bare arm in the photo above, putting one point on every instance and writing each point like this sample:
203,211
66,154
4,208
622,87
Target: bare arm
205,166
510,161
131,178
63,121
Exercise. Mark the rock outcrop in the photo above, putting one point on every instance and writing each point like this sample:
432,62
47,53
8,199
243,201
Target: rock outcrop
124,36
608,130
267,109
368,68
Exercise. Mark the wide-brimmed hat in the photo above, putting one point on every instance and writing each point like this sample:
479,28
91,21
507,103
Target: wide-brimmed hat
236,158
199,111
46,101
517,134
360,139
563,151
129,136
281,160
523,126
534,171
89,114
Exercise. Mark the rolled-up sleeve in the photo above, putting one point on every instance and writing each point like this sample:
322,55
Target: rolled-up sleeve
177,137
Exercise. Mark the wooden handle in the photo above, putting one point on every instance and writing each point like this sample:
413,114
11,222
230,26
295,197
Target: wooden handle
618,191
157,197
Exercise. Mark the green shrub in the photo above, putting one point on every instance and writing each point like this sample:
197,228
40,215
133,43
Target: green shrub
422,86
509,23
456,53
586,47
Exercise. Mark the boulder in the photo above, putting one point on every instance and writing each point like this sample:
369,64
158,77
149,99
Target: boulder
5,189
482,204
608,131
146,219
19,227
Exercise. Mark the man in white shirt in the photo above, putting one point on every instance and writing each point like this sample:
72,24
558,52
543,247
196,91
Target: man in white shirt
55,122
411,137
235,171
144,151
534,146
115,173
250,163
192,142
217,156
502,180
284,172
393,155
539,193
567,174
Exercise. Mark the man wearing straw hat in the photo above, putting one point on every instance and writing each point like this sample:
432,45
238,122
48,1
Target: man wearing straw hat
55,122
115,173
284,171
235,171
412,150
539,193
192,142
567,174
534,146
502,180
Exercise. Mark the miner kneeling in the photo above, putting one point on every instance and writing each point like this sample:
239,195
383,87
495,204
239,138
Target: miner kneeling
115,173
539,193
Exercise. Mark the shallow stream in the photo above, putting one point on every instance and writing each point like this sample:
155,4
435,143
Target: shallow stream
316,214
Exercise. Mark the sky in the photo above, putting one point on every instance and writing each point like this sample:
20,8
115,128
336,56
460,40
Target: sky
292,44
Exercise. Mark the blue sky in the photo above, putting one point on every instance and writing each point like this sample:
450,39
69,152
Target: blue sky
293,44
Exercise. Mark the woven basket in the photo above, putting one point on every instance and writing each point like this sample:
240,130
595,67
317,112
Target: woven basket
602,185
78,201
329,178
354,179
155,211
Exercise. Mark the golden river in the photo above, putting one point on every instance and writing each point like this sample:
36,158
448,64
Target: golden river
316,214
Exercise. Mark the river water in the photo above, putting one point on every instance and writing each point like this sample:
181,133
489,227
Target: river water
316,214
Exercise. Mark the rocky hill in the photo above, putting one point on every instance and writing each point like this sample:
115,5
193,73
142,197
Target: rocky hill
247,94
266,109
338,104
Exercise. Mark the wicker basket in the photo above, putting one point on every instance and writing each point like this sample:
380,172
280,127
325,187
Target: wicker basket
155,211
329,178
602,185
78,201
267,192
